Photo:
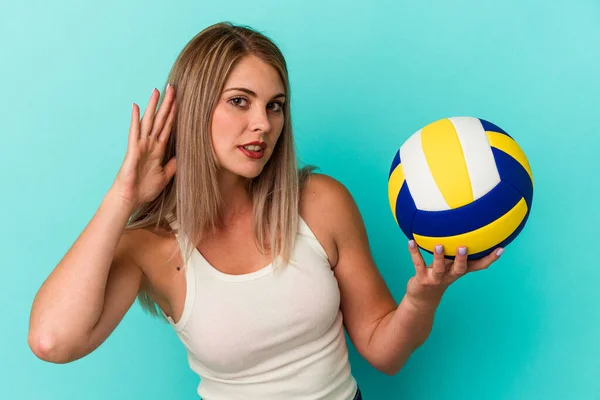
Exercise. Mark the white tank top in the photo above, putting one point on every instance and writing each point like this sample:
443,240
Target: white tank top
275,333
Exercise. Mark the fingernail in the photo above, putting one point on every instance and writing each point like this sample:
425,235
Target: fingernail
462,251
168,85
411,244
439,248
499,252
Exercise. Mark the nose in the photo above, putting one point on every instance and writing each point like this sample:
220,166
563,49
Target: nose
259,121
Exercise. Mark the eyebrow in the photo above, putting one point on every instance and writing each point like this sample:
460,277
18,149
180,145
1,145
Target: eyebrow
251,93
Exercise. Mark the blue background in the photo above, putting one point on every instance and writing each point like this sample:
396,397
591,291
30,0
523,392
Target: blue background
365,76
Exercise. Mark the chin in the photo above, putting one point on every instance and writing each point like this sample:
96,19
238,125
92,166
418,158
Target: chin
248,173
251,174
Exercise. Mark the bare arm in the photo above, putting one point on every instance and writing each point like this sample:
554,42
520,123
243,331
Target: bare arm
67,319
90,290
402,331
384,333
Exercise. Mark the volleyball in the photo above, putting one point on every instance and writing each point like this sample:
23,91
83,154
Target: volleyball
461,181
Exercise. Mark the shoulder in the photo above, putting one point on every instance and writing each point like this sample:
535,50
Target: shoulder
326,191
329,209
151,251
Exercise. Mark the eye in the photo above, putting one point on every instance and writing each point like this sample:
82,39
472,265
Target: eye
276,106
238,101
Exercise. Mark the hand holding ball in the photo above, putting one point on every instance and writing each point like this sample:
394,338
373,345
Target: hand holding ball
461,181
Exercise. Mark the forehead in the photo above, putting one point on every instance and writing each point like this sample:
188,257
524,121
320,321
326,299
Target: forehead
253,73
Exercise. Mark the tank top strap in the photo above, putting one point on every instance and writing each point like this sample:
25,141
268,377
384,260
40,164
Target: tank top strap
175,226
307,232
172,219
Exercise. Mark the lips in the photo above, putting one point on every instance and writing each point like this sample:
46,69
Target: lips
256,143
252,154
256,150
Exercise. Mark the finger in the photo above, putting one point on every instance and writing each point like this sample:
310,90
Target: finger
166,130
170,169
417,259
459,267
486,261
148,118
134,126
163,111
438,268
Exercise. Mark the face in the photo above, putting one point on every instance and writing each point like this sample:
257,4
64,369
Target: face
248,118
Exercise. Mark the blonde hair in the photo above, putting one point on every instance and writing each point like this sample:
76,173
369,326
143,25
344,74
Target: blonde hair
193,197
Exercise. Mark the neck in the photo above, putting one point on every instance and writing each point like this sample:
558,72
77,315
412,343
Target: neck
236,199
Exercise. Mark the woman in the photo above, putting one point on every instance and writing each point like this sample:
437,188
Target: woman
257,265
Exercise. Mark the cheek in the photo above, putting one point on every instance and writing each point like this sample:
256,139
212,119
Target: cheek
219,122
223,127
277,125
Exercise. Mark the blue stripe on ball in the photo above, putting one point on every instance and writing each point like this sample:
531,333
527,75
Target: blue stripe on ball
470,217
512,172
504,243
488,126
405,210
395,163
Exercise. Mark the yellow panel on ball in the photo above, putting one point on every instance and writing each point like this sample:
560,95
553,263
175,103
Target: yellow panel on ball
510,147
446,161
395,183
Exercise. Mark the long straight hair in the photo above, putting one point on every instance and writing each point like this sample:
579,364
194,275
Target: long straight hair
192,199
